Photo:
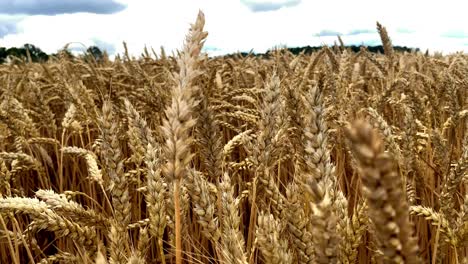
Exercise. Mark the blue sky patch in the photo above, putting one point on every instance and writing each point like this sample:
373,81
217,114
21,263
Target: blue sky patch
328,33
56,7
265,6
455,34
361,31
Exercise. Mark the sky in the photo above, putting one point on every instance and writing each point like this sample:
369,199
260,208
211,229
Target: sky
232,25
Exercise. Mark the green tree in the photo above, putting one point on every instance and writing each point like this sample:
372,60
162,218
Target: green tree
37,55
95,52
3,55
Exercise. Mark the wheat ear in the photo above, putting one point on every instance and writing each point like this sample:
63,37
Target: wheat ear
383,189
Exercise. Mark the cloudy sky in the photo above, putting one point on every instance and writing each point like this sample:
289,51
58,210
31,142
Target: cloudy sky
233,25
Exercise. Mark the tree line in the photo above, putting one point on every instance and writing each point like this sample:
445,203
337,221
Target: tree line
33,53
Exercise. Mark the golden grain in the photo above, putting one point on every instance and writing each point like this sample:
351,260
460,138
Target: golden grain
235,159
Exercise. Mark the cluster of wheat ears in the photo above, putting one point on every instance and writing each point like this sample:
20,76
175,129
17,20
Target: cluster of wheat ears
332,157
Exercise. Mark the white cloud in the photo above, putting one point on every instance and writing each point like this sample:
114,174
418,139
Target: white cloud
232,25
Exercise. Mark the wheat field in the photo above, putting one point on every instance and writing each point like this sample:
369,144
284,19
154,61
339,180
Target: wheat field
329,157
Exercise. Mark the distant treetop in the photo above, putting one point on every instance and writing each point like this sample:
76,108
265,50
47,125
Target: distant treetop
93,52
